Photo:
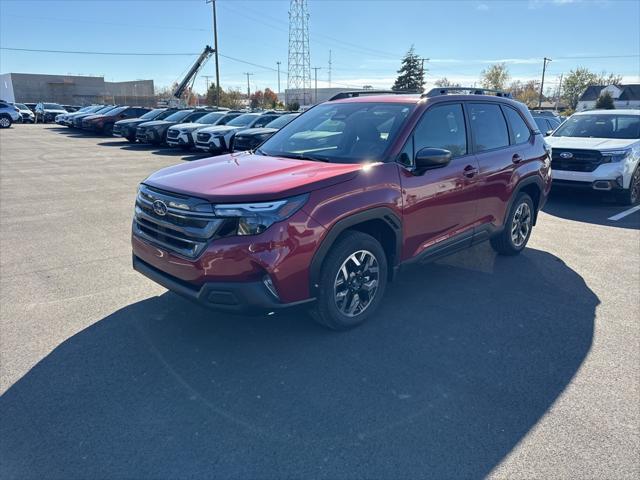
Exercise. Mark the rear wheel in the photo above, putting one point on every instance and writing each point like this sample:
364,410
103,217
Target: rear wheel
5,121
352,282
631,195
517,229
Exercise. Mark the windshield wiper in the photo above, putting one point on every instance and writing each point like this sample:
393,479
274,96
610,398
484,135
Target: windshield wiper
298,156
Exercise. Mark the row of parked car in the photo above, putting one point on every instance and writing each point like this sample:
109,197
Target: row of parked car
209,130
45,112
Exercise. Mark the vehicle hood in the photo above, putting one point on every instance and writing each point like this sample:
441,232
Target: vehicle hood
157,123
129,121
590,143
80,115
93,117
257,131
188,126
220,129
25,111
46,110
245,177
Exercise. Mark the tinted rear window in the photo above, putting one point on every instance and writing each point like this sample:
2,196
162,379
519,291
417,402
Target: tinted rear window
488,125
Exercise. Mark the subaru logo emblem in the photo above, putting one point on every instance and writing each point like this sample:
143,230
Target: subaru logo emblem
160,208
566,155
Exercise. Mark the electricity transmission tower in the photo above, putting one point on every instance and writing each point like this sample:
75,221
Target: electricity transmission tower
299,66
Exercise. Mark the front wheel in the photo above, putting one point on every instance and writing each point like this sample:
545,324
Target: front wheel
631,195
5,121
352,282
517,229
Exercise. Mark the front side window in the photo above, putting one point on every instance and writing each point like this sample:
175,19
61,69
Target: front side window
601,126
150,115
442,127
488,126
263,120
211,118
350,132
519,131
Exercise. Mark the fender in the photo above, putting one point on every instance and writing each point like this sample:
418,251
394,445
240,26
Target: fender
378,213
532,179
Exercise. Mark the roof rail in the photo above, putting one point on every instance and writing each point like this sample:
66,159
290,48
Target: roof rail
436,92
357,93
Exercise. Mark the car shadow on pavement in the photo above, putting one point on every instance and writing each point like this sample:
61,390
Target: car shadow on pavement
464,359
588,207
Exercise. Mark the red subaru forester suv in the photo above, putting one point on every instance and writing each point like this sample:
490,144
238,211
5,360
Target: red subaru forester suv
326,210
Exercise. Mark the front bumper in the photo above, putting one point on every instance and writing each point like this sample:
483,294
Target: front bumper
231,297
617,174
182,140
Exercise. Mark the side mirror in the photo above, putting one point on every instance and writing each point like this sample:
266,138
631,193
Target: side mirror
429,158
549,132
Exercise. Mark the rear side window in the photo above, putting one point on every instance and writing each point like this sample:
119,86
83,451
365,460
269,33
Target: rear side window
488,126
442,127
519,132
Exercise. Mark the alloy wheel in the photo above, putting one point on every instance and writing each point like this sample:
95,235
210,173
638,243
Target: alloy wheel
4,122
356,283
521,225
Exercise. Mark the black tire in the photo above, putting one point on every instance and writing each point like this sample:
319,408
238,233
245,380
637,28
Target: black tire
107,129
5,121
326,310
631,195
513,239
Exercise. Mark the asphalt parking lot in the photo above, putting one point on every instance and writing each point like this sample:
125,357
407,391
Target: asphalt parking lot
477,366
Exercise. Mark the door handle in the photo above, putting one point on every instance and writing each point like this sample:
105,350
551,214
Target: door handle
516,158
470,171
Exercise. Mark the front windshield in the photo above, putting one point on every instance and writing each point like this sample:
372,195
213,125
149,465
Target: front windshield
117,110
601,126
151,114
53,106
165,114
105,109
242,120
179,115
281,121
210,118
340,132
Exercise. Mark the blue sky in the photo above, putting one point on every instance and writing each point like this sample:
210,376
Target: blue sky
367,38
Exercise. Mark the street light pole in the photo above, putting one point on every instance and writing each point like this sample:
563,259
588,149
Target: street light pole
544,69
315,70
278,62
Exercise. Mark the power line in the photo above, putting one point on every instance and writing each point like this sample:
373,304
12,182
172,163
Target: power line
80,52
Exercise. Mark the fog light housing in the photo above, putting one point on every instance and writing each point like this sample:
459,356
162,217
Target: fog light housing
266,280
620,181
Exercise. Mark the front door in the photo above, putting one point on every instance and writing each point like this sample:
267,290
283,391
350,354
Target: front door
439,205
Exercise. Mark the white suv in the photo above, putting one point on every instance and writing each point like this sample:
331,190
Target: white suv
599,149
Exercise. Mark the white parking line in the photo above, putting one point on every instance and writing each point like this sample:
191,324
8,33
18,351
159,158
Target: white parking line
620,215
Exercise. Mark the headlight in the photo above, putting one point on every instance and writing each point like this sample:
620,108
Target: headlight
255,218
615,155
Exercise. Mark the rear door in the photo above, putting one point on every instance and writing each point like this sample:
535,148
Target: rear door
439,205
500,141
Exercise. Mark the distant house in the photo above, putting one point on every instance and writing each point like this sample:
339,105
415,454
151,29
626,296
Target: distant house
624,96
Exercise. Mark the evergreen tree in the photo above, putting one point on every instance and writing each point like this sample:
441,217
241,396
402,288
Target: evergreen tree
605,102
410,75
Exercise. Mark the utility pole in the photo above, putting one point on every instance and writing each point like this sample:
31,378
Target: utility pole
422,67
315,70
559,92
544,69
278,62
206,78
215,48
248,87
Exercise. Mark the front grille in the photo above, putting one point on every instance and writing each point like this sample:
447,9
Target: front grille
581,160
182,230
204,137
242,143
173,133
